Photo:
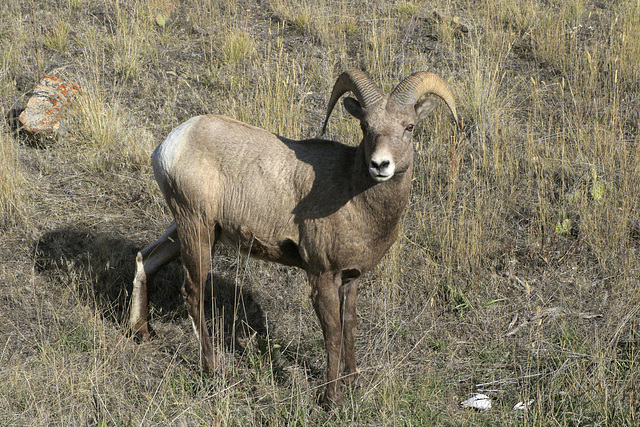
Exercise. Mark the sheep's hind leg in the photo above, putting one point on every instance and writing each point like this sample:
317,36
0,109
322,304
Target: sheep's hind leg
197,244
148,262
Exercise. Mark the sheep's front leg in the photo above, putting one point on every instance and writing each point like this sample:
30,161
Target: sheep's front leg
326,302
348,292
148,262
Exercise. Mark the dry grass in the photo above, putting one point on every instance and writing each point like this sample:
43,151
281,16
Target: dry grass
515,275
12,181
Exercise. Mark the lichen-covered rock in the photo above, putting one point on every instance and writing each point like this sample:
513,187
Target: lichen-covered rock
49,106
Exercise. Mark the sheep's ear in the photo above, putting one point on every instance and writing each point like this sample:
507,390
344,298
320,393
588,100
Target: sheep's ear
353,107
425,107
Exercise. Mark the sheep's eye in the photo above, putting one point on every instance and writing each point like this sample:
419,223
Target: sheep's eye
409,128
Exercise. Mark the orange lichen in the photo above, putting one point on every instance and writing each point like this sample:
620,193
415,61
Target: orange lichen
45,110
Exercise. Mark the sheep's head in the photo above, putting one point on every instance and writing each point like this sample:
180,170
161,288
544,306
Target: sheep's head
388,121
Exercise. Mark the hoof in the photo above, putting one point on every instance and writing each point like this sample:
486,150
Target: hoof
328,402
143,333
351,380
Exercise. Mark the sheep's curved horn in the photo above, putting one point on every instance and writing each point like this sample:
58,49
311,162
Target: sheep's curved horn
360,84
421,83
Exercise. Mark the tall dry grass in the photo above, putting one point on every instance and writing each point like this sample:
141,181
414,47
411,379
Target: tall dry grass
12,181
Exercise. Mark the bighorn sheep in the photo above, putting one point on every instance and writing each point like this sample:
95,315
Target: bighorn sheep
328,208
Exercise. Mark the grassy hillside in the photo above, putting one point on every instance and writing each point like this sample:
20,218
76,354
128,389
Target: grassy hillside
516,273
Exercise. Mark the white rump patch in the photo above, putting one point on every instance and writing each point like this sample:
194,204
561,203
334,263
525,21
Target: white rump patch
169,150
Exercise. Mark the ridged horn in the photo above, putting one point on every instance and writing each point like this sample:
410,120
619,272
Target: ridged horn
360,84
421,83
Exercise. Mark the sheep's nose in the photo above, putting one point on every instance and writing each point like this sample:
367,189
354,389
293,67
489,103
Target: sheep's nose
379,166
381,169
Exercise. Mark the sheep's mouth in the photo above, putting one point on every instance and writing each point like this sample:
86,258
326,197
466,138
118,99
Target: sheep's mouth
380,177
